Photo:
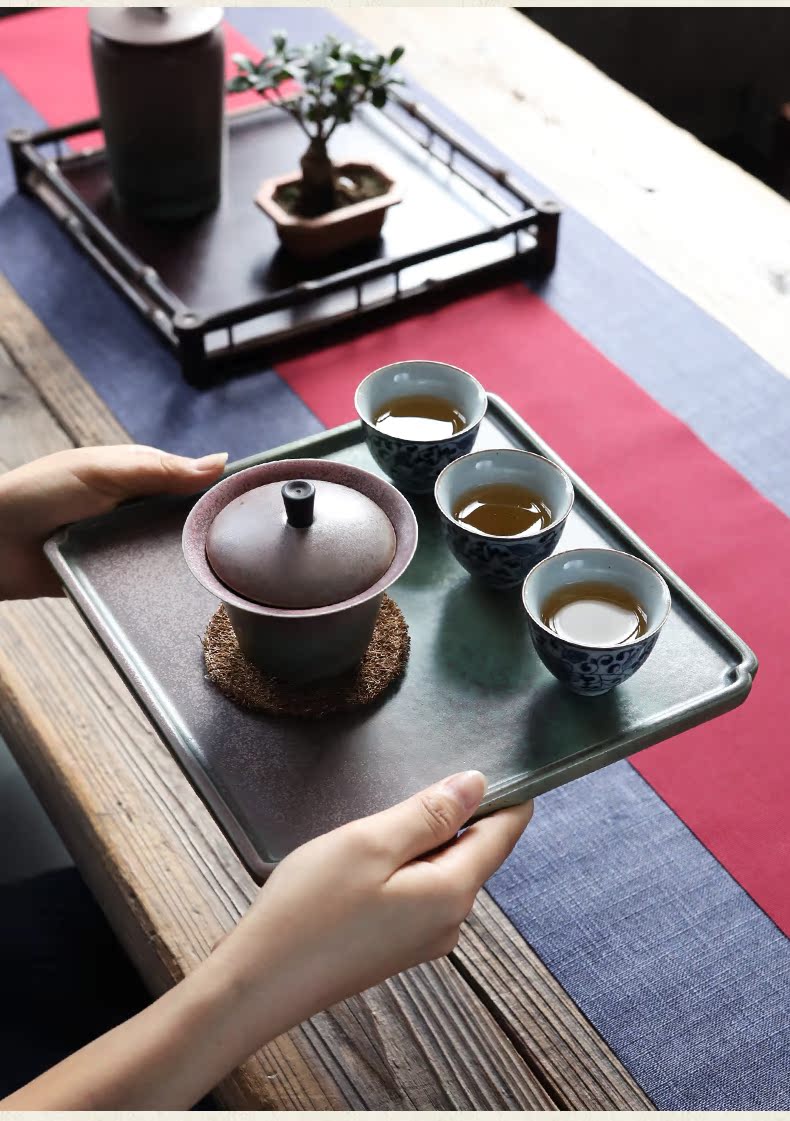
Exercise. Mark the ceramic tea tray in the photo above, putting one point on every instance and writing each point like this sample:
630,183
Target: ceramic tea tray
474,693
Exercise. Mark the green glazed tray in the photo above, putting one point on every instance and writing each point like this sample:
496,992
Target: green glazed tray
474,693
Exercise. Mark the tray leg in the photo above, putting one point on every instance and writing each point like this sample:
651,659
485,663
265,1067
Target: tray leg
548,234
16,140
191,348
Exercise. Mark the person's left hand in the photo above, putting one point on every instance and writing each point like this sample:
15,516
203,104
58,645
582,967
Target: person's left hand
80,483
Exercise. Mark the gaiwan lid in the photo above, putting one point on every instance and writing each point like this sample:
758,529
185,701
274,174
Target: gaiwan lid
300,544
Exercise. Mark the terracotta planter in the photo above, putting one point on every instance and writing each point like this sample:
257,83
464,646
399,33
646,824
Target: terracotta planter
313,238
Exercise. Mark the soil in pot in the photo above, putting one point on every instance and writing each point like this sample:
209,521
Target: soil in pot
354,183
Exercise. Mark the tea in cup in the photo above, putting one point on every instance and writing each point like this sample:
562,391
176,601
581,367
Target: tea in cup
595,616
503,511
417,417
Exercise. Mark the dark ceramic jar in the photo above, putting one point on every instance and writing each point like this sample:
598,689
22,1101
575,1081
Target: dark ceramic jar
301,552
160,81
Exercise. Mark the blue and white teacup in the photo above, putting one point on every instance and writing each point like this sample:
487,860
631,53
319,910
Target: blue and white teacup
588,669
413,465
502,562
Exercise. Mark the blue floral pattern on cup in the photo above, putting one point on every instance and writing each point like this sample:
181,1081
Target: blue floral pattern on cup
501,563
415,467
589,671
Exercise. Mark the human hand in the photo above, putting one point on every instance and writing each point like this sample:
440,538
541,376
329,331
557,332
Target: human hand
338,915
80,483
355,906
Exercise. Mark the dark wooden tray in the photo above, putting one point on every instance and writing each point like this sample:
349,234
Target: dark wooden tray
222,293
474,693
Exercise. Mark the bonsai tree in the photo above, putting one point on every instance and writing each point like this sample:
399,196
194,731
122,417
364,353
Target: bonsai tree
332,80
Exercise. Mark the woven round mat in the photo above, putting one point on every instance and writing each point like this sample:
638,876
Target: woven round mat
241,681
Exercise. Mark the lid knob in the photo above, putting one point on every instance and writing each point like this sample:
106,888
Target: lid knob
298,498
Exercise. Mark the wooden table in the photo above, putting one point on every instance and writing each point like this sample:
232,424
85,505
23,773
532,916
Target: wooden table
488,1027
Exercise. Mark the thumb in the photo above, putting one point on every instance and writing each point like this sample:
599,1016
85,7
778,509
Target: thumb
431,818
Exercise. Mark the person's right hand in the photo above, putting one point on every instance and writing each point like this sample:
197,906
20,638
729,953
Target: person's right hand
338,915
364,902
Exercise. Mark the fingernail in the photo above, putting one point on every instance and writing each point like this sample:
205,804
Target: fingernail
468,787
210,462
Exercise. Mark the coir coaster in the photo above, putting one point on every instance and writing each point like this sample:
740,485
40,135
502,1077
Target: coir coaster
242,682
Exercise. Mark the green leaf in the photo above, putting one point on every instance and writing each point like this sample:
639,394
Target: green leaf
244,63
333,78
240,83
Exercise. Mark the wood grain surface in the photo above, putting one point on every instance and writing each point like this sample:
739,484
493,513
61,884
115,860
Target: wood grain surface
696,219
572,1061
84,417
469,1032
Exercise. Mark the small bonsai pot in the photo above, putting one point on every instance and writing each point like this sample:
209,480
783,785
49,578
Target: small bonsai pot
300,552
310,239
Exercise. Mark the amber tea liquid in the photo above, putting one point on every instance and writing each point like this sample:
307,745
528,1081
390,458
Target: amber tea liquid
503,510
594,615
420,417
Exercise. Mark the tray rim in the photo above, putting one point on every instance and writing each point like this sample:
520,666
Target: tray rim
741,675
509,791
